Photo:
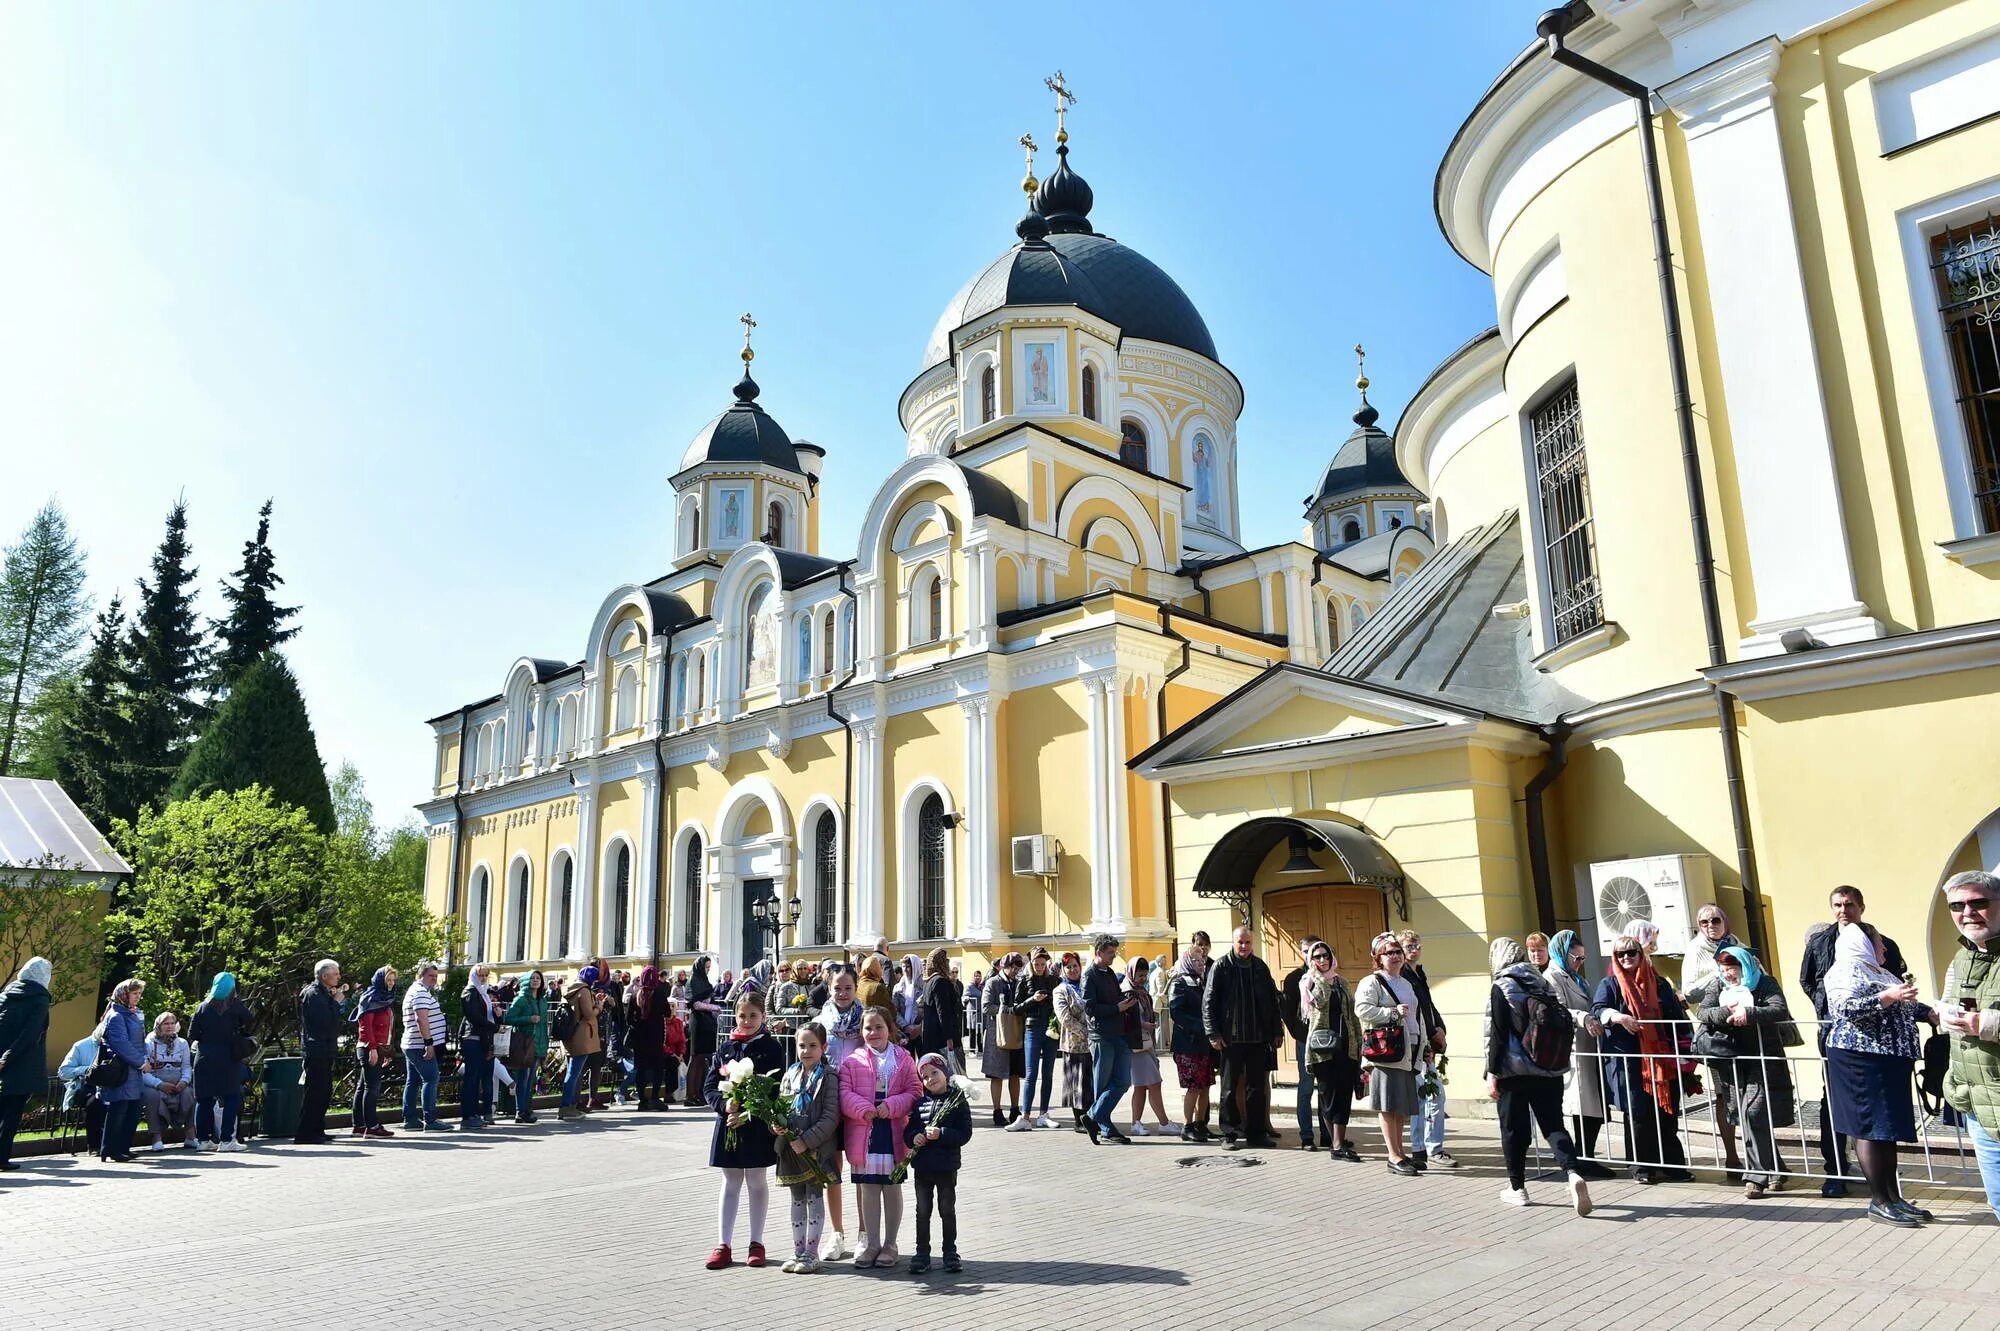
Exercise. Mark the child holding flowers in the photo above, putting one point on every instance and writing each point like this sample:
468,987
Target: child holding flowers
810,1150
939,1127
742,1148
878,1088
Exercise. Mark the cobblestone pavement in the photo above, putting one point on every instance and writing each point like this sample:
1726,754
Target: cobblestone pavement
496,1230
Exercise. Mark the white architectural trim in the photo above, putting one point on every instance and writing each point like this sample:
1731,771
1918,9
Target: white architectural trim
1656,709
1120,497
908,887
1859,664
1938,92
1580,646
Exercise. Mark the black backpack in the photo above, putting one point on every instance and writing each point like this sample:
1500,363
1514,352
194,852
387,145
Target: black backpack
564,1025
1548,1031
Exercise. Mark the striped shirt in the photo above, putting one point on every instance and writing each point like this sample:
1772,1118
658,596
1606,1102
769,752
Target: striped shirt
419,1000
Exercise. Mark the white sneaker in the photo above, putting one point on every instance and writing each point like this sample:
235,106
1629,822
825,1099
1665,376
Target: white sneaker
157,1146
1021,1124
1043,1121
1443,1159
1139,1130
234,1146
1579,1194
833,1247
1514,1196
211,1147
1170,1129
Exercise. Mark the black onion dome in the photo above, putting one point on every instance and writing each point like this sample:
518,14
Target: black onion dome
1065,197
744,434
1366,460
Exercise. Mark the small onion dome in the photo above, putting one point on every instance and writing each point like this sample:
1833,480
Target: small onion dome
1065,197
743,434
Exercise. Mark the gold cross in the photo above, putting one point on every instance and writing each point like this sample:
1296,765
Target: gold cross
1064,100
748,324
1028,141
1360,369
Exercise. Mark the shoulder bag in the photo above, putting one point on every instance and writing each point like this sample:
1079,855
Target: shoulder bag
1385,1044
110,1071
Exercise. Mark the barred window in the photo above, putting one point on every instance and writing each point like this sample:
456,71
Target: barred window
521,916
1569,546
691,925
621,903
826,867
1966,264
565,906
930,867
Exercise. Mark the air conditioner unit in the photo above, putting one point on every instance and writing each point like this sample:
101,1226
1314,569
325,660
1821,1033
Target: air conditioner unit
1036,856
1665,889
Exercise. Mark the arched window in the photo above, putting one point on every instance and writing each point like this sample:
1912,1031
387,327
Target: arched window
934,607
926,607
1132,444
1090,391
826,875
1350,530
625,711
805,648
774,524
521,914
1204,477
565,904
930,867
697,689
681,686
1332,627
826,644
475,923
691,525
471,764
988,395
691,884
621,902
552,739
760,641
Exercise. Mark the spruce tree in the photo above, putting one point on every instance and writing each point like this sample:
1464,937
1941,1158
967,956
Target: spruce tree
261,736
256,623
166,664
43,612
89,751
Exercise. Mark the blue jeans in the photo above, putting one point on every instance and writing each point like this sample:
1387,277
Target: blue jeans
204,1116
420,1083
475,1090
1427,1124
572,1077
1112,1058
1038,1051
1306,1099
1986,1149
524,1092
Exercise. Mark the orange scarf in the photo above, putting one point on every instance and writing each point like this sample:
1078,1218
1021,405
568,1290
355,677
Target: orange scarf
1659,1064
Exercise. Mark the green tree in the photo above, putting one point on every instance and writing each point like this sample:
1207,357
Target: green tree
238,881
88,747
256,623
166,662
43,612
261,736
47,911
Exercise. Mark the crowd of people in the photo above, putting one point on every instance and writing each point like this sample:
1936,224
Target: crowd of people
873,1078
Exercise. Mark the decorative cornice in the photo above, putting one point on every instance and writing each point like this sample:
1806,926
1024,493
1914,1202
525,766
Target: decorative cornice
1719,94
1859,664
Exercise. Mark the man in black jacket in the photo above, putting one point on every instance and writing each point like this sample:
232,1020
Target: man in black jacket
1848,907
1295,1022
1239,1009
1105,1004
1427,1124
319,1040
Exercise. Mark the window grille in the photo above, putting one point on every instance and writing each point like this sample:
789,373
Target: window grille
930,868
521,918
621,905
1569,546
565,906
691,925
825,881
1966,264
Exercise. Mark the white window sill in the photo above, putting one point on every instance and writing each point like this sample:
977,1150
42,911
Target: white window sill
1973,551
1583,645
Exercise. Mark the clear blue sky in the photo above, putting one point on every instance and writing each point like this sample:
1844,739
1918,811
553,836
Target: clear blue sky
455,284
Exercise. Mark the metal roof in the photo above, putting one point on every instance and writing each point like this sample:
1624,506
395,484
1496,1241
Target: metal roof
1231,864
38,820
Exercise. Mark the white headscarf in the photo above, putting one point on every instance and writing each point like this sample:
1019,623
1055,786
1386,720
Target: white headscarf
37,970
1855,967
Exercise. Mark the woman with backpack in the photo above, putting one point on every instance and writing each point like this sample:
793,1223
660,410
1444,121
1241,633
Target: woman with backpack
1744,1028
1529,1038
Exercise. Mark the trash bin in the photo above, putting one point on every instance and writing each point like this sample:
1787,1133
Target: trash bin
283,1096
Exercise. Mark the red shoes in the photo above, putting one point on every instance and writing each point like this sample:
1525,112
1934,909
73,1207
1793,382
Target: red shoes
379,1131
756,1255
719,1258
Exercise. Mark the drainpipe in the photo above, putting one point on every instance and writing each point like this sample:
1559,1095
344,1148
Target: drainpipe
1538,831
457,827
1166,788
847,728
1553,27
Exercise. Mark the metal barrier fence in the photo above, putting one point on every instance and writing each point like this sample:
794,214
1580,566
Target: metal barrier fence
1762,1108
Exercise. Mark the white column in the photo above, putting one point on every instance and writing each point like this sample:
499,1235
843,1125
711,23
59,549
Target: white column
1780,441
866,888
1110,862
584,901
646,935
982,818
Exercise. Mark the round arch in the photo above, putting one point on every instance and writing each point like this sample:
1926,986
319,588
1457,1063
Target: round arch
907,817
515,908
1127,504
607,896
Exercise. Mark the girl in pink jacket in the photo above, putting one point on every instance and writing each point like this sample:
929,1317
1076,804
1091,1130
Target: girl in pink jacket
878,1088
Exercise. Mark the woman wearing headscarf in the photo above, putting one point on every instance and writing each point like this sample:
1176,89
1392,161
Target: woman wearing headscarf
1746,1022
1000,1065
1583,1084
874,992
1385,1001
122,1034
477,1023
1075,1043
374,1043
1194,1058
1871,1050
702,1010
1639,1010
24,1049
1524,1088
646,1037
909,995
1333,1045
528,1018
219,1030
1143,1025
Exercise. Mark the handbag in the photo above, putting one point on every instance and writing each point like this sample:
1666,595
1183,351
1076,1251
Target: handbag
1010,1029
1321,1040
1385,1044
110,1071
243,1047
503,1043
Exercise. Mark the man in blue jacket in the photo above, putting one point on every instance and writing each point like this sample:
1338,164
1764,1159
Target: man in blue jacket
319,1040
1105,1004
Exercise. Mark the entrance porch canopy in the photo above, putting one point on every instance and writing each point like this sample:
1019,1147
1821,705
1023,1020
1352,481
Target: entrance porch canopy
1232,862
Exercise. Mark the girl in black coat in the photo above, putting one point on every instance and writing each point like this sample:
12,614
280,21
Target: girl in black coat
747,1165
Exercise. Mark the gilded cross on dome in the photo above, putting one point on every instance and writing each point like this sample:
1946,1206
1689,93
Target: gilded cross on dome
748,324
1361,369
1064,100
1028,184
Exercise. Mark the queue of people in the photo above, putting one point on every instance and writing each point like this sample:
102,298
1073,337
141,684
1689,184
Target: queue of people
877,1049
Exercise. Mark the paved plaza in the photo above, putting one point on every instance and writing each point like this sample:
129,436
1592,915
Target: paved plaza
606,1223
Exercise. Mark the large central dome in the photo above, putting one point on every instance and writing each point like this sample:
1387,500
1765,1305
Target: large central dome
1062,261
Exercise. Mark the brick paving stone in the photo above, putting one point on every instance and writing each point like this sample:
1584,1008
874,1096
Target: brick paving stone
285,1237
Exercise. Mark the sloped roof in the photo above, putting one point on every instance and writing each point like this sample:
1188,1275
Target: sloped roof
1436,636
38,819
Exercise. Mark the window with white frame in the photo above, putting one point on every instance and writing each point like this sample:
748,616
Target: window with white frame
562,900
621,901
805,646
479,899
1965,266
520,930
989,385
691,898
926,607
1090,391
826,879
826,643
930,867
625,707
1569,544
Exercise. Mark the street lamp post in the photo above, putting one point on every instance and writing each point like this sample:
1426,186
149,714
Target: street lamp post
775,919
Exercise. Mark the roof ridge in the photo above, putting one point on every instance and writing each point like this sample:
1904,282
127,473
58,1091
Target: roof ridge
1384,629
